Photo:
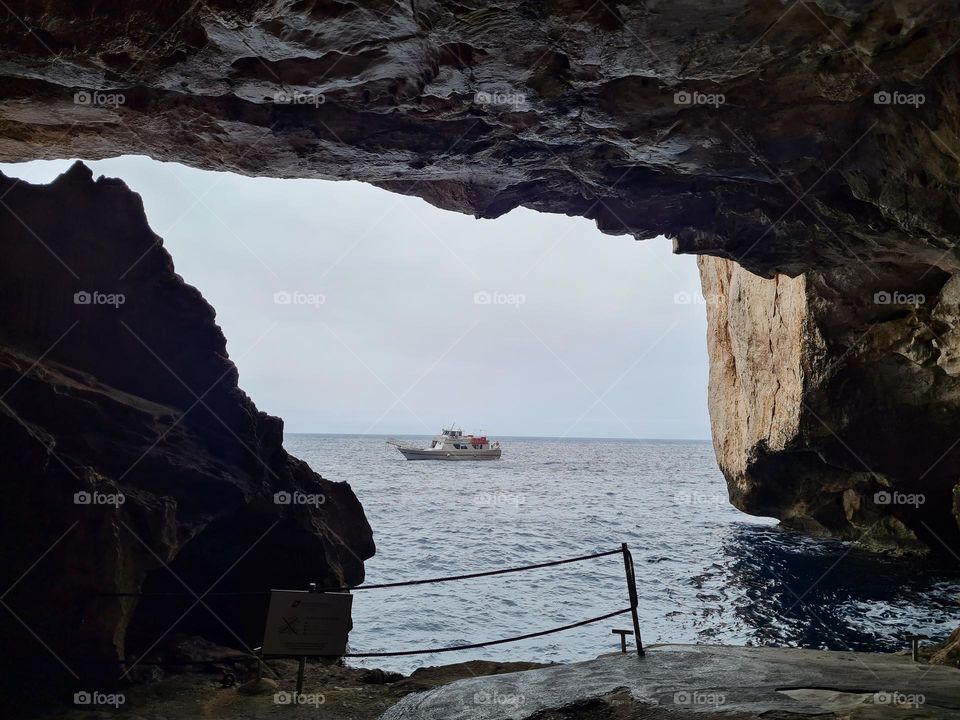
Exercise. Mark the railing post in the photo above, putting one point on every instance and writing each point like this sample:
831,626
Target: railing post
302,666
634,599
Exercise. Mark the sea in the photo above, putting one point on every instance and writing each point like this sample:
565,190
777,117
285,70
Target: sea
705,572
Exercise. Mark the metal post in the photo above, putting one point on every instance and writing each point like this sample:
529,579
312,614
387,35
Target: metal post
258,656
915,639
634,600
303,664
312,587
623,638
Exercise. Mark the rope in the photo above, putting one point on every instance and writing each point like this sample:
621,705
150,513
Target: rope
405,583
488,573
471,646
429,651
379,586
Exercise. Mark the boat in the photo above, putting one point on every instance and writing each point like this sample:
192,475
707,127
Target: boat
451,444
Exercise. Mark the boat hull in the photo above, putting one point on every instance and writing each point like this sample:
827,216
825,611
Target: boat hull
419,454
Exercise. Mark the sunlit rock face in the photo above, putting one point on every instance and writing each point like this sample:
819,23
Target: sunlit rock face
835,399
814,139
131,461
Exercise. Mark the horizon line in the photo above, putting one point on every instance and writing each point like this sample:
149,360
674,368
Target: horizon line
519,437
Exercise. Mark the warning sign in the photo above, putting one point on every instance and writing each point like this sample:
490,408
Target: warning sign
305,623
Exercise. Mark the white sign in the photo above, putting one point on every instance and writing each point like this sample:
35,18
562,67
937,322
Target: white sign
306,623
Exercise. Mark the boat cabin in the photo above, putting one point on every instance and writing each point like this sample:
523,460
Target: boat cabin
456,440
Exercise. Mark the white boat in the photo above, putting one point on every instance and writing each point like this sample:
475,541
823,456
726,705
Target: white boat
451,445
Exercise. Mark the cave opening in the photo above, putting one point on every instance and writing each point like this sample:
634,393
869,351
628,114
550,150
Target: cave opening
355,314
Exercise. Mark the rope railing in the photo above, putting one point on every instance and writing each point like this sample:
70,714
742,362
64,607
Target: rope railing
398,653
380,586
623,551
473,646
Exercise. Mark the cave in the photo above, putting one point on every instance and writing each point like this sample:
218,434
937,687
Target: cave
807,152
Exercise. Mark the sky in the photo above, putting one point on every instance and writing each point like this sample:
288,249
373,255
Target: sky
349,309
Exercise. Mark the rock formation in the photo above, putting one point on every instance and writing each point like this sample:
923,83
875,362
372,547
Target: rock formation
674,682
816,139
947,652
834,399
131,459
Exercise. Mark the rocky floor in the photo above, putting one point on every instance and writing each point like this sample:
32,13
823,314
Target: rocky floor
330,692
675,681
672,681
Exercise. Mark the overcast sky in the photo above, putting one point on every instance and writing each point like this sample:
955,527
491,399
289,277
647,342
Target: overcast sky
351,309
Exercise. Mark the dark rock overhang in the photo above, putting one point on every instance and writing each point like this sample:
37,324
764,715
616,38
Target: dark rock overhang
786,136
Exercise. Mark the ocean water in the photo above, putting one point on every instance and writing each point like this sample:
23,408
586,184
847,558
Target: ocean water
706,573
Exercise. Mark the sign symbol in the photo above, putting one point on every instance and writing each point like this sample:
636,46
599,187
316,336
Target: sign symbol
289,626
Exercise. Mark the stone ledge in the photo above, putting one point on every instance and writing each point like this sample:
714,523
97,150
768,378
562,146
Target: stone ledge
702,681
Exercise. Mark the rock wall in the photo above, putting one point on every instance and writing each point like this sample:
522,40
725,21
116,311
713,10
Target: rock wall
834,400
756,342
130,458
